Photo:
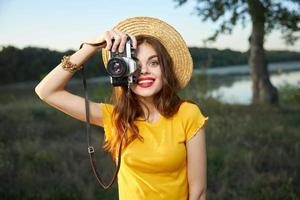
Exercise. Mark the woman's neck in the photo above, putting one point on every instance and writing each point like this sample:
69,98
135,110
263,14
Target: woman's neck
150,111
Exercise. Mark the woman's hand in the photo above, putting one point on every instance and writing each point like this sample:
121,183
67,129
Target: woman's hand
114,40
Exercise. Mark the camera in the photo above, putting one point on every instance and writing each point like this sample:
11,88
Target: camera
122,67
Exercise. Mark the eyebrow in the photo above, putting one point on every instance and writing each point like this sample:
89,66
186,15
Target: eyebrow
153,56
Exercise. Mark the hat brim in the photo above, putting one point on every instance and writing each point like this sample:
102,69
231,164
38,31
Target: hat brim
168,36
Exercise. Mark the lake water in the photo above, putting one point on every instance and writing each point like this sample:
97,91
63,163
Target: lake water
237,89
230,84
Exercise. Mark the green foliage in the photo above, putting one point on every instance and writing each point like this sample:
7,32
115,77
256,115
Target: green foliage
43,154
280,15
32,64
204,57
252,152
289,94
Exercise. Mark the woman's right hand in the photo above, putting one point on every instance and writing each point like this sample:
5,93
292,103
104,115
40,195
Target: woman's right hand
114,40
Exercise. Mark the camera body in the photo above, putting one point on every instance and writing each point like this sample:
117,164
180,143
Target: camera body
122,66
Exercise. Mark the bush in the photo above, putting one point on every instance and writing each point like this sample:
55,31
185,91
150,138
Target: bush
289,94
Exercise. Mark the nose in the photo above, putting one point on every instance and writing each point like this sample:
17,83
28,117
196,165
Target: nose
144,69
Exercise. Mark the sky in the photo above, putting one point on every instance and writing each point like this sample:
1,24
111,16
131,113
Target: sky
62,25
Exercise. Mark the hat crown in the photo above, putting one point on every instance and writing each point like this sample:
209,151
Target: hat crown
169,38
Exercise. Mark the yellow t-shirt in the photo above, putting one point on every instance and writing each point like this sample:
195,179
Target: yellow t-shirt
157,168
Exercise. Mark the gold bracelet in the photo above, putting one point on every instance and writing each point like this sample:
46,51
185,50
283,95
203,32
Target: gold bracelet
68,66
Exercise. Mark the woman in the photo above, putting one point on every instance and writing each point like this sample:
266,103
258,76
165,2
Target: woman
163,152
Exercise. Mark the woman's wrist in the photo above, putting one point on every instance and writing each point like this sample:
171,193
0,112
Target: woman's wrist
82,55
93,47
87,49
95,43
67,65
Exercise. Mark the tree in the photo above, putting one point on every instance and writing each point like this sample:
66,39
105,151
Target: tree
264,16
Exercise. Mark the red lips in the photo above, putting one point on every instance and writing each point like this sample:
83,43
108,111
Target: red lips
145,82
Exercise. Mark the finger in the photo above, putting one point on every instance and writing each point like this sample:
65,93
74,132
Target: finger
108,38
134,42
123,42
117,41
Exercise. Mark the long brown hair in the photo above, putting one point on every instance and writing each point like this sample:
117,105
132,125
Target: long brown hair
127,105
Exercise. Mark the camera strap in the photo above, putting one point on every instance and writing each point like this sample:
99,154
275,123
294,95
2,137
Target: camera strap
91,150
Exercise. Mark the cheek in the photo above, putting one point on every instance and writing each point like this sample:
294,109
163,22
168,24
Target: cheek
160,77
158,73
159,83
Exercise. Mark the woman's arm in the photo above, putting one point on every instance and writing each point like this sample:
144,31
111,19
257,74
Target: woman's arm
52,88
196,166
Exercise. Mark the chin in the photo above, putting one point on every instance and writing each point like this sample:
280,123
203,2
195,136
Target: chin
144,93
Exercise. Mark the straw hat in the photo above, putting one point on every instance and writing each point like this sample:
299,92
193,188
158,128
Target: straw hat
168,36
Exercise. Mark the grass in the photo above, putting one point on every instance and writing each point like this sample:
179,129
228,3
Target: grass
253,151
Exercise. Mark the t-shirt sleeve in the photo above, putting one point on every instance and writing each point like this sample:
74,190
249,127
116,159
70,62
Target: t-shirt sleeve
107,110
193,120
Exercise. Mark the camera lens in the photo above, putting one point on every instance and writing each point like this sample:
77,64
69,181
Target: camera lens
116,67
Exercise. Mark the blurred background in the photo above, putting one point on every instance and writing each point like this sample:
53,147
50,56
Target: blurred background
246,79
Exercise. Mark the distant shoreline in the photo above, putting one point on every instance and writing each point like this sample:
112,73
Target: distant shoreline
245,69
216,71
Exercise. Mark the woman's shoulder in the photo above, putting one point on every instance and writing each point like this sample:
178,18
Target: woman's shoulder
188,110
188,106
190,114
106,108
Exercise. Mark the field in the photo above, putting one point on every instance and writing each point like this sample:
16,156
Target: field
253,151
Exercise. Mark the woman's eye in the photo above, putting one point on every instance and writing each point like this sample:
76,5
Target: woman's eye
154,63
